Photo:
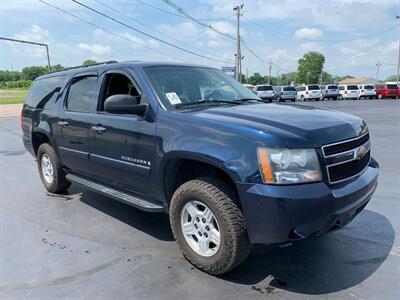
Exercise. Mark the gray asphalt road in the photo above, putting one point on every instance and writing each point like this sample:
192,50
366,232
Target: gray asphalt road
86,246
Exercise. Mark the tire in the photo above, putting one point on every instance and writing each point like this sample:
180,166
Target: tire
380,96
302,98
58,182
234,245
280,100
293,100
341,97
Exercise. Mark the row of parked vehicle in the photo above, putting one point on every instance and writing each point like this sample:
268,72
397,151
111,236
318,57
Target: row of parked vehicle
321,92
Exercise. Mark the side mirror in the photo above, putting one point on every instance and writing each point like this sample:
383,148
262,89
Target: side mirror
124,104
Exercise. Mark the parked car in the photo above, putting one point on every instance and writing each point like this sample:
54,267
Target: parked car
249,86
230,172
330,91
283,93
367,91
387,91
309,92
265,91
349,91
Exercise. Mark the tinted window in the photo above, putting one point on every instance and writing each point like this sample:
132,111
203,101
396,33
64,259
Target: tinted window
368,87
332,87
289,89
392,86
301,88
313,87
352,87
341,87
81,94
43,92
264,88
379,86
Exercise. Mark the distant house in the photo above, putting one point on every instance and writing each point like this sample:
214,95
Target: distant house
360,80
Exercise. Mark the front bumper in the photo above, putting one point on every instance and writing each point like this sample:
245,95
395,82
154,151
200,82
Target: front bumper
277,214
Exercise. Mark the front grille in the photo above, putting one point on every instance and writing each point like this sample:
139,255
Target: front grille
347,159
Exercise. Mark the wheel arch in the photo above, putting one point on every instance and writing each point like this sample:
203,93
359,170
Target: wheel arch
175,166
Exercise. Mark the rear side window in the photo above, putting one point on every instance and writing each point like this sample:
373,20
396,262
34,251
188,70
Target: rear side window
313,87
289,89
392,86
264,88
44,92
82,93
352,87
332,87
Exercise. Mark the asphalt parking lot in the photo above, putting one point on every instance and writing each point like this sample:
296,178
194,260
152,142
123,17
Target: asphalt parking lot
85,246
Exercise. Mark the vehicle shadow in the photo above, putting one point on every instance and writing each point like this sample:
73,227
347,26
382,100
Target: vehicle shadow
153,224
322,265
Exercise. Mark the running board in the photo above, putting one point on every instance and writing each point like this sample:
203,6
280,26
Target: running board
118,195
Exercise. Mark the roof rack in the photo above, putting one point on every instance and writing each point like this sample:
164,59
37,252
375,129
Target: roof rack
85,66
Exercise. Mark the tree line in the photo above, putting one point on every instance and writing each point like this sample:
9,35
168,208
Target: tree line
23,79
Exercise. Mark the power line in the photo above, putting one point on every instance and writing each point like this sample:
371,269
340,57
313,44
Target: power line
147,34
141,23
315,40
108,31
196,20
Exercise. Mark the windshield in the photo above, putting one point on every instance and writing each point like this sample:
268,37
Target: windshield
332,87
352,87
289,89
177,86
313,87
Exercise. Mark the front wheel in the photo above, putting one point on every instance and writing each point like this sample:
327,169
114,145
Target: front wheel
50,170
209,226
341,97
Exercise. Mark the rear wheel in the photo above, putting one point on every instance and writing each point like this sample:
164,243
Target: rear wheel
50,170
209,226
302,98
341,97
380,96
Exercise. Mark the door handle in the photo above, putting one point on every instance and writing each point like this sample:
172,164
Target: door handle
63,123
98,128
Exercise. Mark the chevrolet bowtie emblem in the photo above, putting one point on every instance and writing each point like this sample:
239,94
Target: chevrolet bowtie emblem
360,152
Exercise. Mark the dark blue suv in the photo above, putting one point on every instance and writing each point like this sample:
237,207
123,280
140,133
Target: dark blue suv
228,168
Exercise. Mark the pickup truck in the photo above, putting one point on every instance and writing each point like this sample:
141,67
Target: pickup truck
229,169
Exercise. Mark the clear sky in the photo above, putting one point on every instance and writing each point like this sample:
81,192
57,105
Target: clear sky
278,30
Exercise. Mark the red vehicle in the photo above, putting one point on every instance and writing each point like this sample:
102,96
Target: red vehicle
387,90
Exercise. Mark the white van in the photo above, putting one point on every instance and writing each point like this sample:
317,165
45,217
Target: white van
349,91
367,91
309,92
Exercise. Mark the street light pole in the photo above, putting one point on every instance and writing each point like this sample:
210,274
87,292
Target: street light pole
32,43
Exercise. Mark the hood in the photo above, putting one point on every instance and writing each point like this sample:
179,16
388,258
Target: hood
295,125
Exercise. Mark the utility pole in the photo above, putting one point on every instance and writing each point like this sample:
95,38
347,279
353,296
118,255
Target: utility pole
269,71
377,69
398,58
320,77
238,51
32,43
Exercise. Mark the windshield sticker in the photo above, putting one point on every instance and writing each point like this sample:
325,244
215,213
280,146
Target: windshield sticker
173,98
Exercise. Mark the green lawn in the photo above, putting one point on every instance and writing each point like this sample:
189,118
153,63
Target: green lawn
12,96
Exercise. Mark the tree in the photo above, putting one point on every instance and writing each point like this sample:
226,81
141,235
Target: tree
391,78
256,78
30,73
310,67
89,62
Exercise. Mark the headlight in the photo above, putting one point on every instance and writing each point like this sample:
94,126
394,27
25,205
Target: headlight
288,166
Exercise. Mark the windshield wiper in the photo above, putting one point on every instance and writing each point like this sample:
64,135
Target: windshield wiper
200,102
251,99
